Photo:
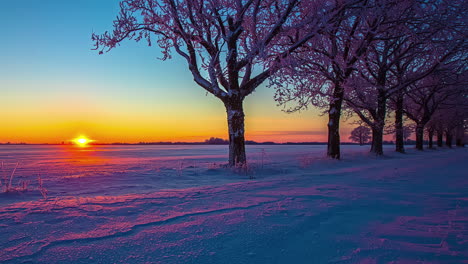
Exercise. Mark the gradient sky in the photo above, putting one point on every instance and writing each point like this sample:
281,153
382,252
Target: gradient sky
54,87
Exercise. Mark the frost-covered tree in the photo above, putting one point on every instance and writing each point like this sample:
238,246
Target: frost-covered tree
441,60
403,75
230,47
412,48
436,124
451,115
317,75
425,99
430,131
451,120
361,135
368,91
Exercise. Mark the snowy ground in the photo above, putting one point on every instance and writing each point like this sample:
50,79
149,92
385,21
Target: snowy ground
176,204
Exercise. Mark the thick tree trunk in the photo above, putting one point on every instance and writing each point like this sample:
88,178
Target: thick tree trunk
377,141
399,137
334,114
448,139
419,136
235,118
430,133
440,139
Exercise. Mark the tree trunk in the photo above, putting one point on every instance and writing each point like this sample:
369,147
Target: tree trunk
419,136
334,114
448,139
440,138
399,137
377,141
460,136
378,127
430,133
235,118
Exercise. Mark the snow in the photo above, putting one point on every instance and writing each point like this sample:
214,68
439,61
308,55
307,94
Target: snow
177,204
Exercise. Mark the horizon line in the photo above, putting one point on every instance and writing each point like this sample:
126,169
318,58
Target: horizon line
247,142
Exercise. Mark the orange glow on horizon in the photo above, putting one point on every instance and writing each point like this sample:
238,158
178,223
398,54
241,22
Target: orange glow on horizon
82,141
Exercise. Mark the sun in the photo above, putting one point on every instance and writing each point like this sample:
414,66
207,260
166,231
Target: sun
82,141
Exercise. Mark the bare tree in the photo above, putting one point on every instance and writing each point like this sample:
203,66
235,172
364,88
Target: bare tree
230,47
450,117
426,98
318,73
430,131
451,120
409,51
361,135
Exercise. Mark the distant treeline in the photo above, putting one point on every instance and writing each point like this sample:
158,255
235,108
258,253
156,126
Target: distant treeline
210,141
247,142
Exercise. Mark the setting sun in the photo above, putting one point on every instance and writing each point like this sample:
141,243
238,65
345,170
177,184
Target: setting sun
82,141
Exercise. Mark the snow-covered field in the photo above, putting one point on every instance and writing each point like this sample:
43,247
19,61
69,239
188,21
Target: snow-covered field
178,204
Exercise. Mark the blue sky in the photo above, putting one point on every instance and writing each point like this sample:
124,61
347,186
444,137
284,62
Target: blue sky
54,86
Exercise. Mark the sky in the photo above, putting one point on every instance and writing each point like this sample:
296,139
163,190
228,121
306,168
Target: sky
54,87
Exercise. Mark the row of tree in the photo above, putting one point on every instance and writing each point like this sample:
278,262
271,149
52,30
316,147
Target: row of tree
366,58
